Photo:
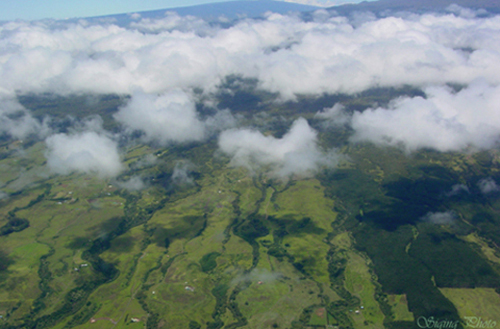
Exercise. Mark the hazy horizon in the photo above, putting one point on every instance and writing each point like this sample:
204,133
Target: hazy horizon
57,9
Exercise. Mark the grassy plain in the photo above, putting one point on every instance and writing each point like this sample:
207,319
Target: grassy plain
399,305
230,248
359,283
479,302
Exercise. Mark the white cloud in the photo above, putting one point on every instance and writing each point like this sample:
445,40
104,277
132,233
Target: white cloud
148,160
488,185
219,121
170,117
444,121
135,16
286,54
295,153
181,174
157,61
135,183
335,115
440,218
335,57
88,152
457,189
17,122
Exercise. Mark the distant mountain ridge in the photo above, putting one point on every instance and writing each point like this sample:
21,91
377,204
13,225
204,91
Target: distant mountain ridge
233,10
230,9
387,7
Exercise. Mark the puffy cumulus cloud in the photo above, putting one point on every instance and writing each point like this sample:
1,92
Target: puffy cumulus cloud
295,153
440,218
221,120
135,183
181,174
335,115
286,54
444,121
146,161
169,117
488,185
135,16
153,60
78,57
457,189
17,122
88,152
420,50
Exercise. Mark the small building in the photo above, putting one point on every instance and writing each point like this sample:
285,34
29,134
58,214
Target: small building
135,320
189,288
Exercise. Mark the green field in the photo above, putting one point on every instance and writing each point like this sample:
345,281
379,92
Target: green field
348,247
359,283
479,303
399,305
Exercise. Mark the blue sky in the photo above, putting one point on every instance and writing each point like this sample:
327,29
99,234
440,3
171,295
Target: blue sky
60,9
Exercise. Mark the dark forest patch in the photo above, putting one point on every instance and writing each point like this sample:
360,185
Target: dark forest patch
14,225
453,263
187,227
209,261
399,273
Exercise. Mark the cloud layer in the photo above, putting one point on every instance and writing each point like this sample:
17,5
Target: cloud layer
160,63
286,54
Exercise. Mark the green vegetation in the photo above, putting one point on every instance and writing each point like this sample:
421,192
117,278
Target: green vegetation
209,261
478,302
399,305
350,247
14,225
